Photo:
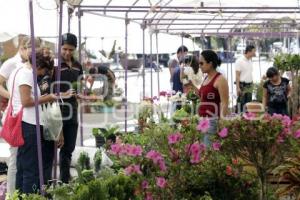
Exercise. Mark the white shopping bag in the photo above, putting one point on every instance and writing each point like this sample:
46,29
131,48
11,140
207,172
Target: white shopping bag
106,161
52,119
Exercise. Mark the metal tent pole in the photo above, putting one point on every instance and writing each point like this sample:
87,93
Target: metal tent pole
232,80
151,66
58,76
143,26
126,68
80,61
36,103
158,65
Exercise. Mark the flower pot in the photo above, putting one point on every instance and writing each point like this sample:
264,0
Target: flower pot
106,109
255,107
100,141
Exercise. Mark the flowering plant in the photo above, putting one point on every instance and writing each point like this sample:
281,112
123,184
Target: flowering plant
262,141
167,161
161,164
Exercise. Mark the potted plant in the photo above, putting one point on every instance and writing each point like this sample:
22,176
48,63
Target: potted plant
99,137
108,106
109,130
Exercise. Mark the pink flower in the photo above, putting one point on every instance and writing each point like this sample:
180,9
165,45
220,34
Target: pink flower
297,134
280,139
162,165
174,138
277,116
133,150
249,116
195,159
149,196
161,182
195,150
133,169
286,121
216,146
223,133
202,147
145,184
116,149
157,159
203,125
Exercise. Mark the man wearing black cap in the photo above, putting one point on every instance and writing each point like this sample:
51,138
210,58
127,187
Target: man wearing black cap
71,72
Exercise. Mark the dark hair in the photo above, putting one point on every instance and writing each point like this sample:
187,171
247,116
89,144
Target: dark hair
42,62
69,38
249,48
182,49
112,137
272,71
195,64
93,70
211,57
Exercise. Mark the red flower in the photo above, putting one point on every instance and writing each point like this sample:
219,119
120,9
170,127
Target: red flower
235,161
228,170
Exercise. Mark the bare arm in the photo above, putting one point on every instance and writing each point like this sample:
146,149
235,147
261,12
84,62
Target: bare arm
222,86
265,97
28,101
3,91
171,66
289,91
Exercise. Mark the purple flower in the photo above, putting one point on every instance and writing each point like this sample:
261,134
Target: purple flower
223,133
203,125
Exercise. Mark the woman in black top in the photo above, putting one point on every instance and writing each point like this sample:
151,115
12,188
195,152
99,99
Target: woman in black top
276,92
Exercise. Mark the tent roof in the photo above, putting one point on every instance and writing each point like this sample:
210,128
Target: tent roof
213,17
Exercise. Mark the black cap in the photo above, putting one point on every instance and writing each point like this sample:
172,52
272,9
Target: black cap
69,38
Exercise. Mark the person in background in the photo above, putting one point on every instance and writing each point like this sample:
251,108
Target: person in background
174,62
296,117
5,71
111,79
244,77
191,75
71,73
214,92
276,92
47,52
21,83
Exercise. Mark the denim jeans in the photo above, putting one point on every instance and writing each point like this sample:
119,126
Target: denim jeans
27,179
213,127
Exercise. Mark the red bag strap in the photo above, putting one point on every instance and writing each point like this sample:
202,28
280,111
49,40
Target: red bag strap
13,86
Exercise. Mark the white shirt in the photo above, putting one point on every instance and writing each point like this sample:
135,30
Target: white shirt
196,79
23,77
10,65
244,66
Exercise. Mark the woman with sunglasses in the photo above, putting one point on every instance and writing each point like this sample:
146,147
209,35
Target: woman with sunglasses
214,92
